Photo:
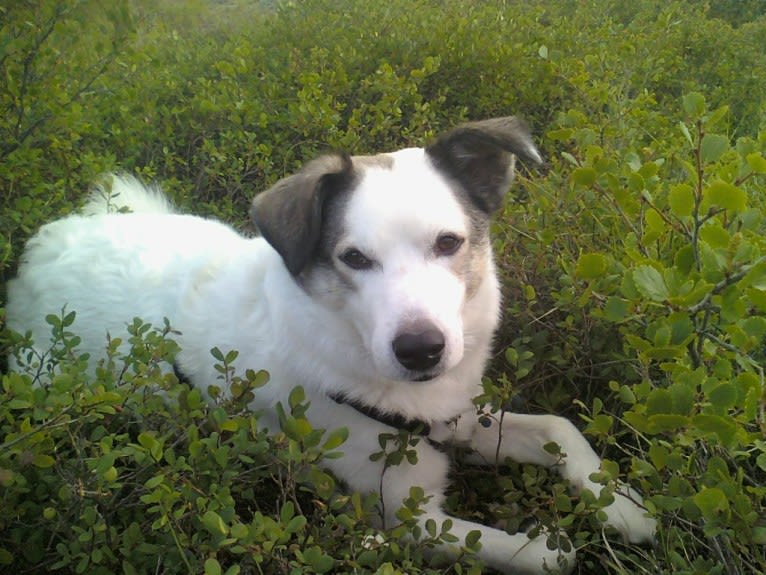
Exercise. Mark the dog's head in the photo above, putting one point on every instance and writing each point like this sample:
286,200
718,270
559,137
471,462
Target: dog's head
397,245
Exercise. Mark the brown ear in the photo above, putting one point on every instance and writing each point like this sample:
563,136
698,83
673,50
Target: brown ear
480,156
289,214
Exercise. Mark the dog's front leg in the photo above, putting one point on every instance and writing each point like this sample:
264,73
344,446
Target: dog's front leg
513,554
523,437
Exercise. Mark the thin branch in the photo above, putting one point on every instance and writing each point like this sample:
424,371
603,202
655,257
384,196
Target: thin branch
29,60
698,196
95,71
724,283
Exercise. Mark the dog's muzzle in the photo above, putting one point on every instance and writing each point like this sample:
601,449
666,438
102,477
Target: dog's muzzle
420,348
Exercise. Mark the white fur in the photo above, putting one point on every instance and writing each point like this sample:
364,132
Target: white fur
222,290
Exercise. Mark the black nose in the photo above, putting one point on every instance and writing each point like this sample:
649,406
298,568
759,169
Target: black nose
419,349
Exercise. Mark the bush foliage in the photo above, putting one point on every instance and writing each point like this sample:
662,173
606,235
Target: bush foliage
634,267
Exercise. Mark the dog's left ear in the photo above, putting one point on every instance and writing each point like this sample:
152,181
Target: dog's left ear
289,214
481,157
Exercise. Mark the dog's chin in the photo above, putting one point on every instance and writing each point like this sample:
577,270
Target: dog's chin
420,377
397,373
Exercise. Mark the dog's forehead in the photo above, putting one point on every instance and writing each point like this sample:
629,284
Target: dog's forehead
402,193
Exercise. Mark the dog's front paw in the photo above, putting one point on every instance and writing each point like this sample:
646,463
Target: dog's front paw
628,516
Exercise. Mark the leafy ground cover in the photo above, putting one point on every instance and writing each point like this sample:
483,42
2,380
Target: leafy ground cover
633,264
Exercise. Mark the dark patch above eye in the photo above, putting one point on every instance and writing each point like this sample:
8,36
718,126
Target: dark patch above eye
355,259
447,244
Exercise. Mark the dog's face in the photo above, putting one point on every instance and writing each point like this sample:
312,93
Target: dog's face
397,244
398,263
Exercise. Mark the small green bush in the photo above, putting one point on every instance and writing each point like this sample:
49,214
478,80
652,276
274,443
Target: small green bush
130,471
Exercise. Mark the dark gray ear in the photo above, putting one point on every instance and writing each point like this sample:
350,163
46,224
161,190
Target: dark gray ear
480,156
289,214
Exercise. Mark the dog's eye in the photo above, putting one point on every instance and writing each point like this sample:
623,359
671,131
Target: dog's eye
355,259
447,244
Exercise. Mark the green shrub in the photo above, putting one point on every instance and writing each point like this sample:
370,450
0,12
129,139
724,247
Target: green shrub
654,325
130,471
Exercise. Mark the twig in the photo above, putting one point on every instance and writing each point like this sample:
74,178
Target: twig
724,283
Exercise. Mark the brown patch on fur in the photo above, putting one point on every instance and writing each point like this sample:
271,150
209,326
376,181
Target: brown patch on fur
472,264
382,161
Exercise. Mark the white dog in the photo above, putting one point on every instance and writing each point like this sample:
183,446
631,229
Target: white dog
373,286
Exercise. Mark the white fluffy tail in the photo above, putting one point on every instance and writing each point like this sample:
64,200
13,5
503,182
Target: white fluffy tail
124,193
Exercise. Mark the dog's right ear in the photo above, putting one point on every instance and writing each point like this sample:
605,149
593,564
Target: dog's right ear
481,157
289,214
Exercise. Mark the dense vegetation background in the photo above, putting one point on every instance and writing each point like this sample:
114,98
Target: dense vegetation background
634,266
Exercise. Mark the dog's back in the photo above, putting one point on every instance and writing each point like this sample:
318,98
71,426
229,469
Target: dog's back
107,262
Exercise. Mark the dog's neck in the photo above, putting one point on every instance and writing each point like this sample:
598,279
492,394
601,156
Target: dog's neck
395,420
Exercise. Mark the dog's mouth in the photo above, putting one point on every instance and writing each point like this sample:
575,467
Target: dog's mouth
423,377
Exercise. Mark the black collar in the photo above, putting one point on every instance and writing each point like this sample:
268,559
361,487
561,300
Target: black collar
395,420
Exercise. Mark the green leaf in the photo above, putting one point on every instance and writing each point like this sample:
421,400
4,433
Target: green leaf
287,512
681,200
725,195
659,401
754,327
319,561
562,134
615,309
17,403
655,226
336,438
685,132
296,397
684,259
212,567
759,535
713,263
681,327
591,265
42,461
6,557
681,399
636,183
153,482
296,524
658,455
584,177
715,235
715,118
724,396
756,162
472,538
713,146
650,283
147,440
723,427
694,105
296,428
213,523
712,502
663,422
